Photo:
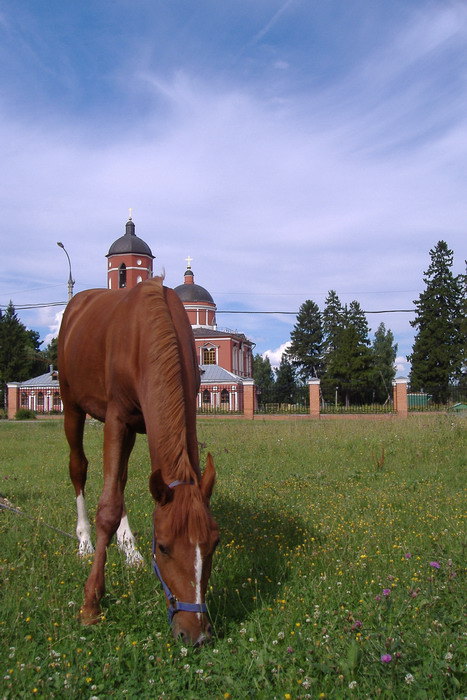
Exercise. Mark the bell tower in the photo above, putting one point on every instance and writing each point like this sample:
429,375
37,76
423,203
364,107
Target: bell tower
129,259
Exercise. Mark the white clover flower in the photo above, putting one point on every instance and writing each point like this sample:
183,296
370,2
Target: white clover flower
186,667
448,656
280,635
183,651
409,678
352,685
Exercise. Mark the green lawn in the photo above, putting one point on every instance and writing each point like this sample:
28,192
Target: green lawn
339,572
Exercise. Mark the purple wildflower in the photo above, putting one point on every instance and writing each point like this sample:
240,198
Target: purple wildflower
435,564
386,658
408,555
357,624
386,591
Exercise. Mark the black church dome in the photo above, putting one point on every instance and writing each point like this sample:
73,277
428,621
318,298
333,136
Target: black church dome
130,243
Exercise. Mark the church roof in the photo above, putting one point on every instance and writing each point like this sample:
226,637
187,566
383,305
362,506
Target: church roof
193,293
215,373
48,380
130,243
207,333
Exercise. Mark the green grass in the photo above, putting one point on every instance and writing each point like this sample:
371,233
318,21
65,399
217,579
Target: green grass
324,567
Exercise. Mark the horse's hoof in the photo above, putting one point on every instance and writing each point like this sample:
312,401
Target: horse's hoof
135,559
85,548
89,617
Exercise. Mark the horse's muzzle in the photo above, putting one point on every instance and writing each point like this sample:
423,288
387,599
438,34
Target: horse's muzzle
191,634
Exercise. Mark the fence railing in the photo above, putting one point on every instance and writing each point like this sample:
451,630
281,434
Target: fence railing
333,407
297,402
451,398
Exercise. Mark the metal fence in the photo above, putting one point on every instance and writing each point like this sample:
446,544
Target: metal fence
436,398
337,407
297,402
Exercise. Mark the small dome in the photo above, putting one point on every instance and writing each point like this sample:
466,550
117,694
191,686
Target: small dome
130,243
193,293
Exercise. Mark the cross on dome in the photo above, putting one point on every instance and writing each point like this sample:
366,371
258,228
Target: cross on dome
189,260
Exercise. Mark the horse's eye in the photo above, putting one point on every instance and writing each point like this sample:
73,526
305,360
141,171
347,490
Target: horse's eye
163,549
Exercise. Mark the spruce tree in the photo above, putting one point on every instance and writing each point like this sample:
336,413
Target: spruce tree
348,358
438,353
284,386
306,348
384,356
264,378
332,322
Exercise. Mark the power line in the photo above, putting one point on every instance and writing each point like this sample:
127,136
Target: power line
23,307
294,313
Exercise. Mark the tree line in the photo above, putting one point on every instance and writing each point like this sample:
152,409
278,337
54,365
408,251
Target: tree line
334,345
21,356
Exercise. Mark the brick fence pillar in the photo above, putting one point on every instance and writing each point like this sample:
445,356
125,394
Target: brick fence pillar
313,386
400,397
12,399
249,398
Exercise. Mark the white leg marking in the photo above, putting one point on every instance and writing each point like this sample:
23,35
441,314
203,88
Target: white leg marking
126,543
198,574
83,528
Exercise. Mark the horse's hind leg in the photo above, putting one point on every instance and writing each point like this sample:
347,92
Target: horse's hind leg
78,466
125,538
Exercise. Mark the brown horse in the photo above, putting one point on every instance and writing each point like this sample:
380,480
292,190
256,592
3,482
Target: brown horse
127,357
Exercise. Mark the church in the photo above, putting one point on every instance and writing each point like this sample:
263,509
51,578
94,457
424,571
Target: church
225,357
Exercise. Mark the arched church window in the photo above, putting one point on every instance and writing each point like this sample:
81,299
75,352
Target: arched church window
24,399
122,275
56,401
225,396
206,396
40,399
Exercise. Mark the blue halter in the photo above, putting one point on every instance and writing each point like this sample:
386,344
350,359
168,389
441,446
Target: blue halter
175,605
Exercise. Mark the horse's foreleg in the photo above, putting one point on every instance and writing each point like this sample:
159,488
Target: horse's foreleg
125,538
109,514
78,467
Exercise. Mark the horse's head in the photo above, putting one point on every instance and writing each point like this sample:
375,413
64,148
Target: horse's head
185,537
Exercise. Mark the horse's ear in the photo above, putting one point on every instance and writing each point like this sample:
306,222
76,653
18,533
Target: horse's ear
159,489
208,478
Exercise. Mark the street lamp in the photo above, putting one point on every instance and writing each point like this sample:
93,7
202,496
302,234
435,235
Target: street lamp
71,281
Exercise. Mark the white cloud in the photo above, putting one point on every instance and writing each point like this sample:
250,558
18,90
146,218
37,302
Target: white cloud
402,366
275,356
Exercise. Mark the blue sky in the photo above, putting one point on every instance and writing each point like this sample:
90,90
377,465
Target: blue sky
290,147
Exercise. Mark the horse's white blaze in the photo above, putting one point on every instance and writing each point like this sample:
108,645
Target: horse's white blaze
126,543
198,574
83,528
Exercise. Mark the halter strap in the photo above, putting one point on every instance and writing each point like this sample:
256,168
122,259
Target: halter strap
175,605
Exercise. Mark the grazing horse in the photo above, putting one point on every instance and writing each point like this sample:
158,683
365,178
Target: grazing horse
127,358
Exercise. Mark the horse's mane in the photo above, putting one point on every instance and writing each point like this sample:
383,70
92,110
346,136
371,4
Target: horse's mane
165,370
188,514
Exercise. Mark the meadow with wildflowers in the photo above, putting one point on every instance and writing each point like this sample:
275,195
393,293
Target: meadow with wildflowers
338,575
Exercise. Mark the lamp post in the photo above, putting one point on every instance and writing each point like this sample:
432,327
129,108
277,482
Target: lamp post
71,281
